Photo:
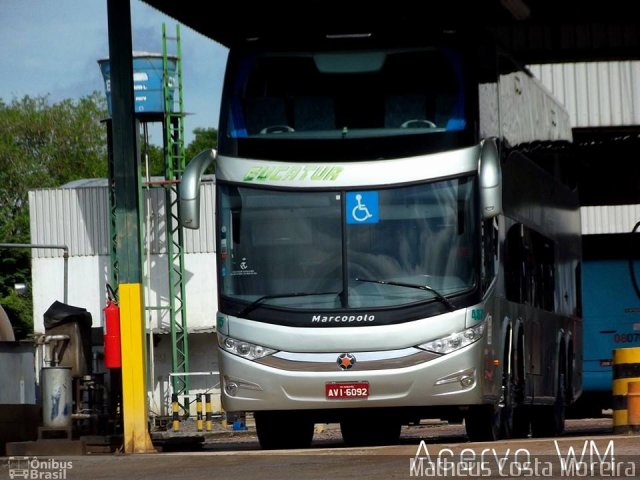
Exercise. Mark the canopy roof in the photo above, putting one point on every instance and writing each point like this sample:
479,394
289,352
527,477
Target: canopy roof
539,31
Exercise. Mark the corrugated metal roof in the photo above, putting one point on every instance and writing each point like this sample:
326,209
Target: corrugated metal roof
609,219
76,218
77,215
86,182
596,94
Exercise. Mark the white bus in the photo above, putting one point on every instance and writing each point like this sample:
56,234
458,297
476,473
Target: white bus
396,239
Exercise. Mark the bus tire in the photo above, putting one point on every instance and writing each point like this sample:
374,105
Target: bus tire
279,430
548,420
515,417
509,418
520,421
483,423
488,423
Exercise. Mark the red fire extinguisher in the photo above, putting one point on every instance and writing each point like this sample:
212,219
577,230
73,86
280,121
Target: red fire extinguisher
112,355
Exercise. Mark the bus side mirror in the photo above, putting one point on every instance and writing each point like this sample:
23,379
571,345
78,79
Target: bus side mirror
189,189
490,175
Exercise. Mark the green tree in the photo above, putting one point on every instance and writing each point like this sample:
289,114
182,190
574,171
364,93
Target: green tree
204,138
155,160
42,145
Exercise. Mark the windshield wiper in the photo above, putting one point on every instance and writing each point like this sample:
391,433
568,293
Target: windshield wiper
427,288
253,305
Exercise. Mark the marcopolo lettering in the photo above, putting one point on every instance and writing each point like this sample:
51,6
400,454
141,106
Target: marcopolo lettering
342,318
292,173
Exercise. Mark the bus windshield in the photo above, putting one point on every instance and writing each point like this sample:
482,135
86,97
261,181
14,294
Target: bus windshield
412,101
337,250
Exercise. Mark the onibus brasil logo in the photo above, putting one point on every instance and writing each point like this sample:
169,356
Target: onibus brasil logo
38,469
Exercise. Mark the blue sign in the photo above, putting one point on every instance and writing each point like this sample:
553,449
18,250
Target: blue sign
362,207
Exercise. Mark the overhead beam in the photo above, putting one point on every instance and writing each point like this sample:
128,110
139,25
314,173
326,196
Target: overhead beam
535,31
551,42
518,9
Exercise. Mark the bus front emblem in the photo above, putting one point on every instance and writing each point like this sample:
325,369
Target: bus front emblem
346,361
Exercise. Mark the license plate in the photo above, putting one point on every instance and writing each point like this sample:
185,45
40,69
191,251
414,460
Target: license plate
346,391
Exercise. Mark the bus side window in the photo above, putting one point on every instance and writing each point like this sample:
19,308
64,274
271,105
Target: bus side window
514,271
489,251
578,288
529,268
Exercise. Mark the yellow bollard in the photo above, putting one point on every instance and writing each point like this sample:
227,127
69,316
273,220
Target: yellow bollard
633,406
199,412
626,371
209,409
175,407
224,419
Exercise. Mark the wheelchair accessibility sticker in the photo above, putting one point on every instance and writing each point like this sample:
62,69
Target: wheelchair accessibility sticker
362,207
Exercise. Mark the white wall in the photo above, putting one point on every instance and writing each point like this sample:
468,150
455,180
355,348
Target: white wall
203,350
88,276
86,285
596,94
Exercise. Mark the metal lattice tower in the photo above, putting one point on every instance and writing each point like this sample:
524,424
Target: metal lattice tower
174,160
111,192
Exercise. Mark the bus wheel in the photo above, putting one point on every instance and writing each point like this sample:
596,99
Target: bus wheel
510,414
516,418
508,418
519,419
360,431
548,420
483,423
487,423
278,430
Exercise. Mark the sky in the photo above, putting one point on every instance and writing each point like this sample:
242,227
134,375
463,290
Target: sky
52,47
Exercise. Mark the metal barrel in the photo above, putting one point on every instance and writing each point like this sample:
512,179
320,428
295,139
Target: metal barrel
626,372
57,397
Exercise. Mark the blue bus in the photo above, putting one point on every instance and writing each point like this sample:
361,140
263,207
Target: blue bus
611,314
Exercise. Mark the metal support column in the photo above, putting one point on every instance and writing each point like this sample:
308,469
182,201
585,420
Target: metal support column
126,178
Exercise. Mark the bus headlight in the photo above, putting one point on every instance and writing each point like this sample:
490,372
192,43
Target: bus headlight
247,350
455,341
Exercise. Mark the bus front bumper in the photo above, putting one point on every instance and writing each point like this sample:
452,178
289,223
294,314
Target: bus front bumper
456,379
